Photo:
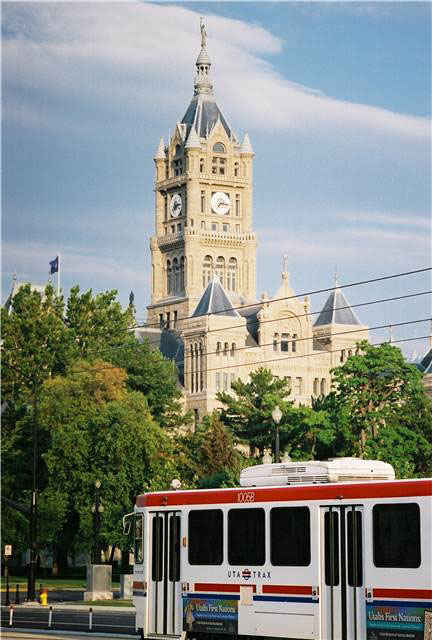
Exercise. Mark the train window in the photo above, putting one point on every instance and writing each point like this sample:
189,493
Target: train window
355,554
206,537
174,551
138,547
157,548
246,537
331,548
396,535
290,536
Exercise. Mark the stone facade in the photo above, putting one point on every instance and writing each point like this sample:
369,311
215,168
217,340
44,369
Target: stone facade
204,250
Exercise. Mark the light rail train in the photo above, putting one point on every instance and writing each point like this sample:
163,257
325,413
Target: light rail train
335,550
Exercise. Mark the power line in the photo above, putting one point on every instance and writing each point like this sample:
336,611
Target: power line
299,295
279,359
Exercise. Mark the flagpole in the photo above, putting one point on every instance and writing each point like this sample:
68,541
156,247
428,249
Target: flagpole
58,276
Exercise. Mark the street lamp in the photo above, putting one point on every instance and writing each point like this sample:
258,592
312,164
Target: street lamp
277,417
97,509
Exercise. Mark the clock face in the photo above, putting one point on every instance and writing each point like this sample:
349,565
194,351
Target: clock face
220,203
176,205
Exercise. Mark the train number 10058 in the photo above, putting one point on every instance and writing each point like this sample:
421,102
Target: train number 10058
246,496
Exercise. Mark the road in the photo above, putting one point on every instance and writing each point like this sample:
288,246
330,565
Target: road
104,620
22,635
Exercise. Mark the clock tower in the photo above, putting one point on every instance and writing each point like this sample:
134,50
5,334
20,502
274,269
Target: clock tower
203,209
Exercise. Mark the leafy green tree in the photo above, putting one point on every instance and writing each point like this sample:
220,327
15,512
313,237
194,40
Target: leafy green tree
373,386
156,377
98,429
249,412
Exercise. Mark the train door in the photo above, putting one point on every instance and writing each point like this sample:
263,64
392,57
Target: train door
164,597
341,594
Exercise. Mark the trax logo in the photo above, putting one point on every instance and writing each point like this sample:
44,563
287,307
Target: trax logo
246,574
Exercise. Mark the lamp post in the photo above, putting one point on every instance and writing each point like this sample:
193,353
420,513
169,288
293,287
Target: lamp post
277,417
97,509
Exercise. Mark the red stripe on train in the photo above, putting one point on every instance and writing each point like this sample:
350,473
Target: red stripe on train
138,585
281,588
389,489
230,588
402,593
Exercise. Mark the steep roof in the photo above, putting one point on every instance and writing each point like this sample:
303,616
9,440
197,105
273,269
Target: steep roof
425,365
215,300
336,311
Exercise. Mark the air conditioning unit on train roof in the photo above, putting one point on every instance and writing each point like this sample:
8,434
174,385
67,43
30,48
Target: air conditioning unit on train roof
316,472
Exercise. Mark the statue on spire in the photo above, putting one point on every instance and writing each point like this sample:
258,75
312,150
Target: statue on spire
203,34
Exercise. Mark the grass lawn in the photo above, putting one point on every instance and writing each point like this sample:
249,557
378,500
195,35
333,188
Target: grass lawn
103,603
50,583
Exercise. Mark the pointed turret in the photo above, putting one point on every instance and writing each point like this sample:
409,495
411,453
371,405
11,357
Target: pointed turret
160,151
215,300
203,112
193,142
246,147
336,310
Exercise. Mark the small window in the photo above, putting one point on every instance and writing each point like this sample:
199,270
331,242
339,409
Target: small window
179,227
246,537
233,348
138,548
331,548
290,536
237,228
206,537
214,226
355,553
237,205
284,342
157,548
232,379
396,535
219,147
225,382
225,228
202,201
203,224
174,549
218,384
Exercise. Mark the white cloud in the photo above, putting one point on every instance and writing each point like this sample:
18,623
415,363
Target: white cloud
30,262
385,218
141,57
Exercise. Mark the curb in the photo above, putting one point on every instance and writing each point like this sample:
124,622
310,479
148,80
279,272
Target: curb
87,634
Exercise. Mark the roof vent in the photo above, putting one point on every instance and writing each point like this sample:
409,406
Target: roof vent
316,472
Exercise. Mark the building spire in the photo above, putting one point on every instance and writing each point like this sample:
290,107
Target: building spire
203,82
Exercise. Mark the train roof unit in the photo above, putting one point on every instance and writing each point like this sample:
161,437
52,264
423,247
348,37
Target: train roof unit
316,472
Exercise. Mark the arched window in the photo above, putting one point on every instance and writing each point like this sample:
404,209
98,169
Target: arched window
349,353
226,347
218,348
294,342
220,269
236,169
201,165
197,373
275,341
192,372
323,386
219,147
233,348
182,273
176,274
207,270
201,367
232,275
316,387
285,341
169,277
342,355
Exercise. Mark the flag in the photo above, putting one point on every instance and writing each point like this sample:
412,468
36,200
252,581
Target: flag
54,265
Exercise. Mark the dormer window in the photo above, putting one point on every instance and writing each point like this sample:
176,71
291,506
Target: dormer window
219,148
177,149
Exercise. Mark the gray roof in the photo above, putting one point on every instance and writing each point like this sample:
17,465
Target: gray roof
250,313
336,311
203,113
215,300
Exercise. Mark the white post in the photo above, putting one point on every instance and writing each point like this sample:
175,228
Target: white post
58,276
90,619
11,610
50,618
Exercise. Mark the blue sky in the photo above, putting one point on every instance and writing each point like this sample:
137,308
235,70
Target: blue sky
335,98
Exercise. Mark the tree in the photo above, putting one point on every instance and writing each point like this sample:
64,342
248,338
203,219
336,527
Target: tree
98,429
373,386
248,412
157,378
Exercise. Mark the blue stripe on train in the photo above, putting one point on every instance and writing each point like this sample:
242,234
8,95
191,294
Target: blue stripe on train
285,599
397,603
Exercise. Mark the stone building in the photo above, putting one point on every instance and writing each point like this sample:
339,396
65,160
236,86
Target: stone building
204,310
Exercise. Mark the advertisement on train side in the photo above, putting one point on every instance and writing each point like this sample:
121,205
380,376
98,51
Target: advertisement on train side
399,622
210,615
